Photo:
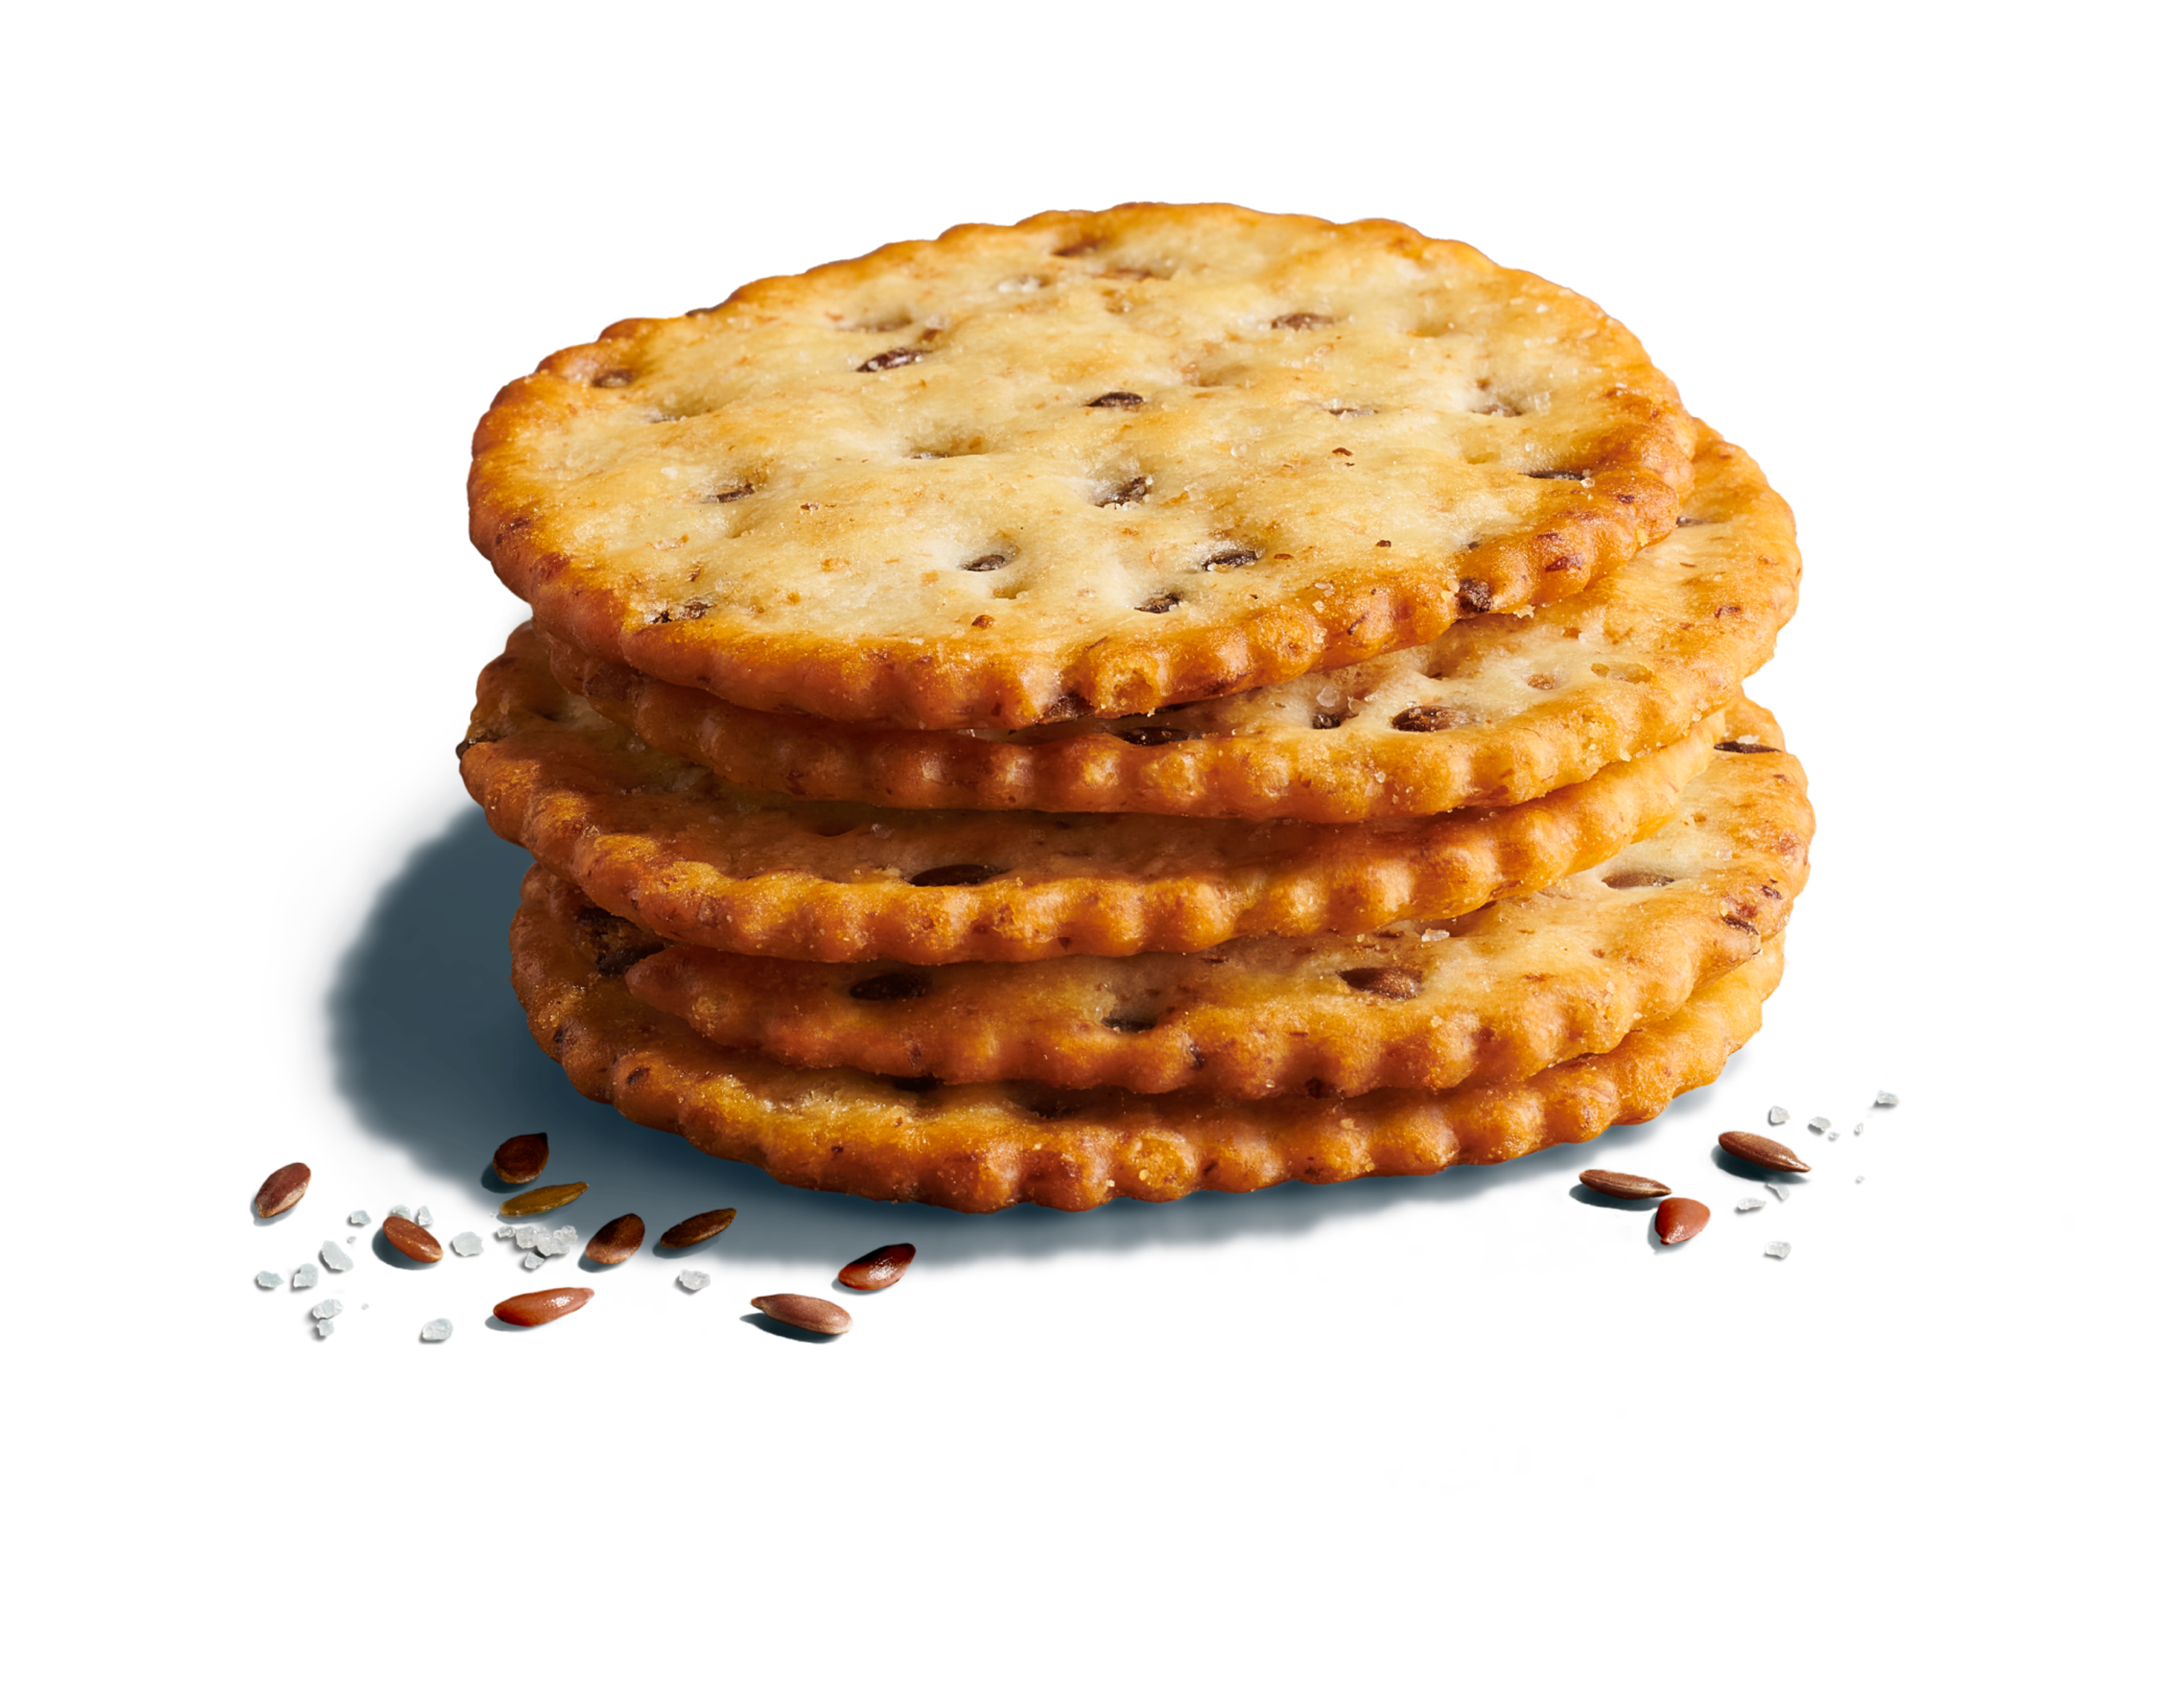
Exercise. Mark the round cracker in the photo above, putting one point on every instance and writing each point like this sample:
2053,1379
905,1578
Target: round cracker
1499,710
1090,465
657,839
1499,994
984,1147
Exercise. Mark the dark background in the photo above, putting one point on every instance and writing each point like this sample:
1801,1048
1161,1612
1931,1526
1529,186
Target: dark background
407,304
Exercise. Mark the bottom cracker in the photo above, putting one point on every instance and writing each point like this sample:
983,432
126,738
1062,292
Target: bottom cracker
985,1147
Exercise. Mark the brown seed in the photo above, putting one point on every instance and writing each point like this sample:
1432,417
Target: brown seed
522,1159
617,1242
1678,1219
698,1229
1231,558
819,1316
550,1303
1118,400
1424,719
541,1199
1130,493
1766,1153
877,1269
1302,319
1384,981
282,1189
1160,605
1623,1186
893,359
410,1240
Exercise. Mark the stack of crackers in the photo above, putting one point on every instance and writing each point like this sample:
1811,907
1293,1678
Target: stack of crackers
1133,702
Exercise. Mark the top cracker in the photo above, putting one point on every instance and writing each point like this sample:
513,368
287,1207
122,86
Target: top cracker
1090,465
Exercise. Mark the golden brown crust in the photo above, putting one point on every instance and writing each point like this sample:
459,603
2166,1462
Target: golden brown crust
1501,994
986,1147
1344,438
1532,704
665,843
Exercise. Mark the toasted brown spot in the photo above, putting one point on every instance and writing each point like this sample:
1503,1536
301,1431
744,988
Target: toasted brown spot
982,622
894,359
1425,719
1302,319
885,989
1384,981
1624,880
613,378
1475,595
1151,734
1116,399
1067,709
1078,249
688,611
722,496
956,875
1559,475
1383,543
1160,602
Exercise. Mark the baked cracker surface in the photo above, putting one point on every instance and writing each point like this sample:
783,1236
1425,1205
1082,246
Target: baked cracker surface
1089,465
1499,710
984,1147
666,843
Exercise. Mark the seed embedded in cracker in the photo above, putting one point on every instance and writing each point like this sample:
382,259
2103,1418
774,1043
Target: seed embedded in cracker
881,1267
789,385
1678,1219
549,1304
410,1240
1766,1153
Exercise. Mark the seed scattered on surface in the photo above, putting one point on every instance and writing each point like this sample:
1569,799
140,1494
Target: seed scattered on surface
1778,1248
816,1316
410,1240
543,1199
519,1159
268,1279
531,1260
280,1190
402,1211
698,1229
466,1245
693,1280
1819,1125
1766,1153
324,1328
876,1269
1750,1205
547,1304
305,1277
326,1309
434,1332
1678,1219
1777,1115
617,1241
335,1258
1623,1186
360,1219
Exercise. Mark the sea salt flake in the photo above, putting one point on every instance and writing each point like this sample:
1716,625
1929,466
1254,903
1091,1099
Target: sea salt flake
1818,1125
532,1259
402,1211
1781,1197
1777,1115
1778,1248
359,1218
505,1231
324,1328
1886,1101
466,1245
326,1309
306,1275
424,1215
1856,1179
526,1235
693,1280
567,1236
1859,1129
434,1332
1833,1134
1751,1203
268,1279
335,1258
